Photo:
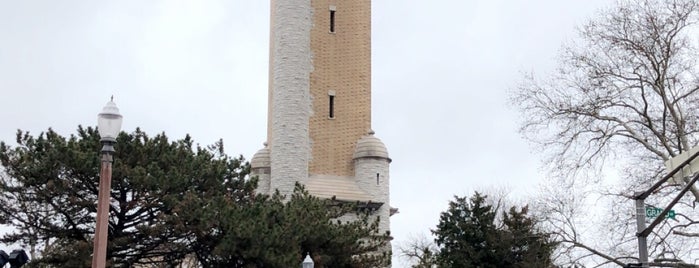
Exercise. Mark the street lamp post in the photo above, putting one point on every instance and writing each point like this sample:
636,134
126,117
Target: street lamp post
108,125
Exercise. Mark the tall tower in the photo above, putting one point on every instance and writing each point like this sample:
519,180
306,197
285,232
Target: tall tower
319,115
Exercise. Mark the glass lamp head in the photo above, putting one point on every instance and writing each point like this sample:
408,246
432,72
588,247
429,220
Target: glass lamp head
18,258
307,262
109,121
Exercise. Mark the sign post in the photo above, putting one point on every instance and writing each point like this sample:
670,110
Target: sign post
640,226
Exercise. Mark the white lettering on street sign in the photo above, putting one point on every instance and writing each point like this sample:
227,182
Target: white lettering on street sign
653,212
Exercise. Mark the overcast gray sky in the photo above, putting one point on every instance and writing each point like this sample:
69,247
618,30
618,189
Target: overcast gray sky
441,73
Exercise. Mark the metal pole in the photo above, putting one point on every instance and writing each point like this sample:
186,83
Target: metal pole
667,177
640,227
99,253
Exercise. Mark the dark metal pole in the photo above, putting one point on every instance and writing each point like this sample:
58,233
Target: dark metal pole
672,173
99,253
667,209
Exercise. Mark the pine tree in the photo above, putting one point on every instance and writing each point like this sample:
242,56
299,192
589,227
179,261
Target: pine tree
470,235
526,246
170,200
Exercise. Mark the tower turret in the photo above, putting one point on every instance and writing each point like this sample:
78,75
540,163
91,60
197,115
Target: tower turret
371,166
260,167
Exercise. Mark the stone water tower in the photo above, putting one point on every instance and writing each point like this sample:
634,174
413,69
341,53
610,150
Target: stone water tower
319,114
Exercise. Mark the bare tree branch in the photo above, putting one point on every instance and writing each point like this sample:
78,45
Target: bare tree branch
626,93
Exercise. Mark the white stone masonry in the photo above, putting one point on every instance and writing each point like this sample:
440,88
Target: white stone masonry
291,106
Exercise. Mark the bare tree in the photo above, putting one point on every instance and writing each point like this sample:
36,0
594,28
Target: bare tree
625,97
419,251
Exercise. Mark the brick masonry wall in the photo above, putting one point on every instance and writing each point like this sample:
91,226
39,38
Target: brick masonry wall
342,63
291,68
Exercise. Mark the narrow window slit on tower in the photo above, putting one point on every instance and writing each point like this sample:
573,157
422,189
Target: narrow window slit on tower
331,107
377,178
332,21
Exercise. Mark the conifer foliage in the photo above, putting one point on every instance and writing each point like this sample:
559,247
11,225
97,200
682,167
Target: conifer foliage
470,234
172,201
274,232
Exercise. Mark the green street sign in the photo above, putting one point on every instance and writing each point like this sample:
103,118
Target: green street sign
653,212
